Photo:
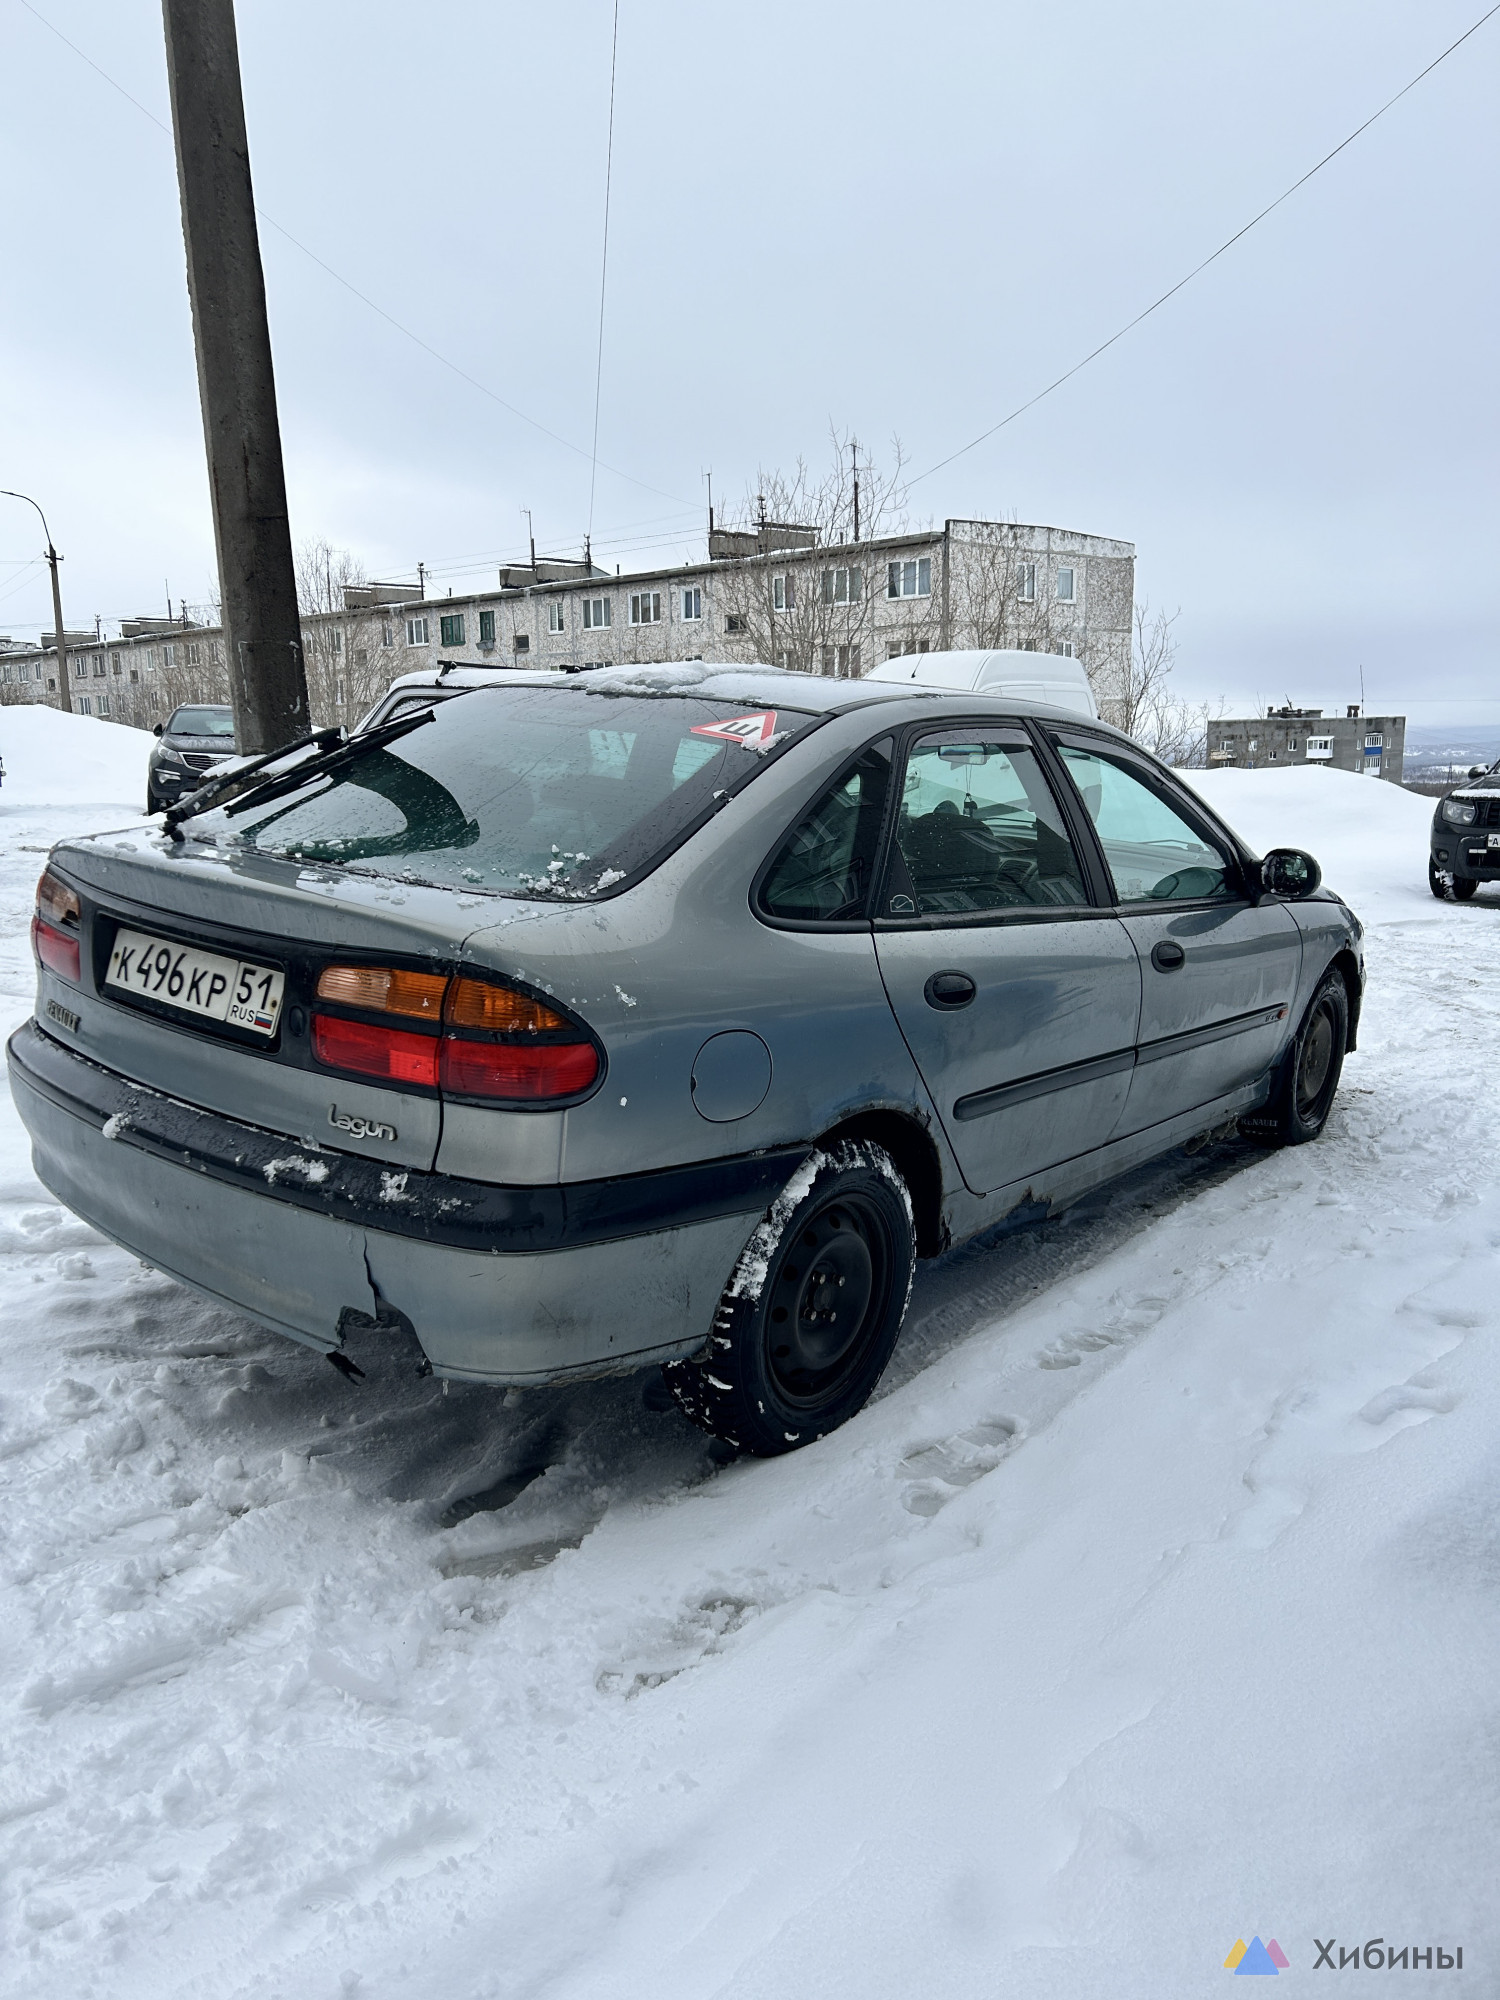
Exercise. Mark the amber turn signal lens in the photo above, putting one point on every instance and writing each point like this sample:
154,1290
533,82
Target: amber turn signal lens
384,989
56,903
474,1003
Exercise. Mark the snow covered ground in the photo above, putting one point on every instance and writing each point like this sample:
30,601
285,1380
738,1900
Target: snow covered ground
1153,1605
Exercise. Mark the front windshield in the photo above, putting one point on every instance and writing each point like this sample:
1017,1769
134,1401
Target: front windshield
520,791
202,722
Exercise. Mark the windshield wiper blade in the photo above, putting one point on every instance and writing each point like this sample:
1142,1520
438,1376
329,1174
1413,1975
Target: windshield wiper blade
253,783
229,781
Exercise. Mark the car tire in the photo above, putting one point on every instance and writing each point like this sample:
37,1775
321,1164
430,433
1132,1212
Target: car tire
1309,1073
807,1322
1450,888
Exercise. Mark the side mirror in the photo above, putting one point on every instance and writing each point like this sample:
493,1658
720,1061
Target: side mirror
1288,872
159,729
1476,771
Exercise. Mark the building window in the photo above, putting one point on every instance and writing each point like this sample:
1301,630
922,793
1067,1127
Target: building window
169,656
336,640
645,607
1066,650
135,677
1226,743
1291,744
387,633
844,586
1065,586
1375,740
338,691
736,622
486,628
784,658
194,655
85,706
1026,583
416,632
101,707
784,593
556,615
692,605
522,642
847,662
1320,746
451,628
909,579
114,664
596,614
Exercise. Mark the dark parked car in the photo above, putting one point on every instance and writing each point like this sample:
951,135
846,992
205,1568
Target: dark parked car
1466,837
664,1015
193,740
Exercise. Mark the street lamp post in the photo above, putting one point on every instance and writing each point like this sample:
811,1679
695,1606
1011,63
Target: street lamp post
53,559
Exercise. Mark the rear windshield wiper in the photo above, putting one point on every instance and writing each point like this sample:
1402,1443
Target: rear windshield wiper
255,783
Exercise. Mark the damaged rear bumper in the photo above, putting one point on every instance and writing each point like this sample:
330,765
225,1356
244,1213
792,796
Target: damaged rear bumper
519,1285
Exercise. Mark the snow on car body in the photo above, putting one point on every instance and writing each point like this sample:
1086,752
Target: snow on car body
567,1015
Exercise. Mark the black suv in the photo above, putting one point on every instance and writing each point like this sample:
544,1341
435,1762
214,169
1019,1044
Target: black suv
1466,837
193,740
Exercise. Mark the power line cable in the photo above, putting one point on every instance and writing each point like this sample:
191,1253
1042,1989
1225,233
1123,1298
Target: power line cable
364,298
609,164
1228,244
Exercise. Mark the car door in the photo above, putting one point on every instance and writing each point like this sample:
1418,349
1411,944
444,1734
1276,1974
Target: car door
1219,967
1017,993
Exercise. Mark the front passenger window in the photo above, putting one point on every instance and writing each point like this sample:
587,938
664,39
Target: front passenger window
821,873
1153,853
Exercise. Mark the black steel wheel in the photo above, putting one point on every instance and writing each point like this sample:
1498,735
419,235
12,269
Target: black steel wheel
808,1319
1464,886
1449,888
1308,1078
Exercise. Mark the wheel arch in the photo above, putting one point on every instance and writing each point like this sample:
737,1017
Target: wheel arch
915,1155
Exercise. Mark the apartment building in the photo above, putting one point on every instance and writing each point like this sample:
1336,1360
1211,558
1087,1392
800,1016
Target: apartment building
775,593
1372,744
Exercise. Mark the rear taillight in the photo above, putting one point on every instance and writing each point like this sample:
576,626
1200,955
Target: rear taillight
392,1054
510,1069
495,1042
56,927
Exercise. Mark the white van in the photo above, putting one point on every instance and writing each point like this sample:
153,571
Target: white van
1049,677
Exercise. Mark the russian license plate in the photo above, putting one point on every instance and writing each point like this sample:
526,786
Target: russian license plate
198,982
1495,840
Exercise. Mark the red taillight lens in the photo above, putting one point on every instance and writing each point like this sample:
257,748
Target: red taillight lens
57,950
392,1054
524,1070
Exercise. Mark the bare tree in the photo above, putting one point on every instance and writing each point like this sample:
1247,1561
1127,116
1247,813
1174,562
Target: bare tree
994,596
341,649
802,593
1175,731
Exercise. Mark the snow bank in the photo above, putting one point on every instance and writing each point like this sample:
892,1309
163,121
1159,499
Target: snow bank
52,759
1369,837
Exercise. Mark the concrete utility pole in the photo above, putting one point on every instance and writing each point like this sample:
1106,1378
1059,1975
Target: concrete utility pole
236,385
64,693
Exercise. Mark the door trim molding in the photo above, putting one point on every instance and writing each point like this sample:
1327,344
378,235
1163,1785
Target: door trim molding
980,1103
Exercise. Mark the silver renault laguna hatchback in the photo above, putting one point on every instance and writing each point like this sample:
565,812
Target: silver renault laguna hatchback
660,1016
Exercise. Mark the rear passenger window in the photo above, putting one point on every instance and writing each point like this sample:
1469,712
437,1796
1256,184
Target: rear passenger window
980,831
821,872
1153,853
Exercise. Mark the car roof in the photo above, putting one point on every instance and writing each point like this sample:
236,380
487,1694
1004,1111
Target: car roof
717,681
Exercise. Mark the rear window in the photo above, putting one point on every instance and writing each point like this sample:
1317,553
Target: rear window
201,722
536,792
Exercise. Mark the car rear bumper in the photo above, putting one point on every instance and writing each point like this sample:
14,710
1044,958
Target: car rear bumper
518,1285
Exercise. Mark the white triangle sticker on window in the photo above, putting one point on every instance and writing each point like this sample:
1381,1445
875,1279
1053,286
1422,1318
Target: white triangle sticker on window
749,731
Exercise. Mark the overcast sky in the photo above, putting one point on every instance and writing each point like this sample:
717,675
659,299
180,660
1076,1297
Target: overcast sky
902,222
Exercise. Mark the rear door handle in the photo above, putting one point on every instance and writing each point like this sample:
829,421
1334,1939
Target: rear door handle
948,990
1167,954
